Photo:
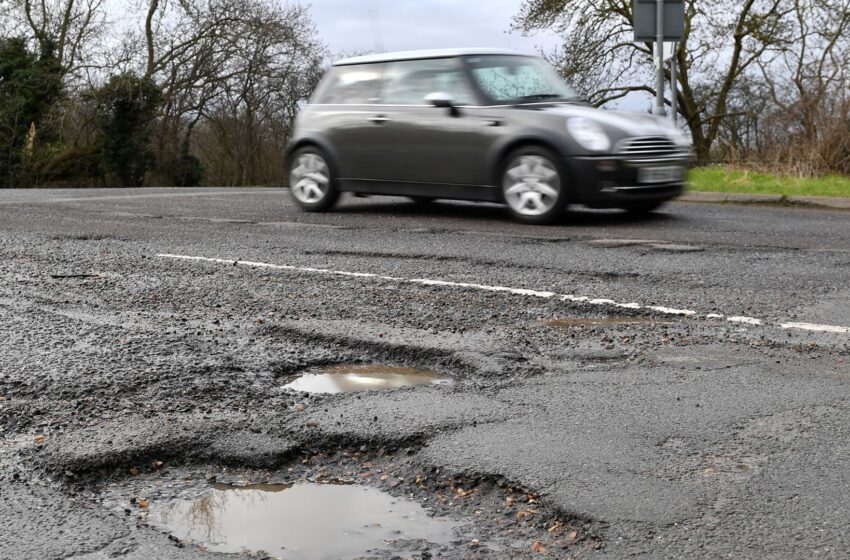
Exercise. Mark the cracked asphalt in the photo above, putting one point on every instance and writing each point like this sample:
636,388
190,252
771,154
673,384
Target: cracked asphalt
658,435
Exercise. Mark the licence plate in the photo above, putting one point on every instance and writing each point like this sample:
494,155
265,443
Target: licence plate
660,174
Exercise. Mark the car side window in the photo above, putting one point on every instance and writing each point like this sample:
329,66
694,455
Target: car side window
408,82
350,85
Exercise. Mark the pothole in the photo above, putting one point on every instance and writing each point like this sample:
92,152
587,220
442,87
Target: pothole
574,322
344,504
301,521
76,276
617,243
352,378
649,243
677,248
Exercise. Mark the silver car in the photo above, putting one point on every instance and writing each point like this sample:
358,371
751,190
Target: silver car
485,125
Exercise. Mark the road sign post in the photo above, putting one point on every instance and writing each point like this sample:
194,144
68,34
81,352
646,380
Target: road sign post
656,21
645,20
659,41
674,85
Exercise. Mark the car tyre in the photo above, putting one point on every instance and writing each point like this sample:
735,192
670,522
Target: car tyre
534,185
312,180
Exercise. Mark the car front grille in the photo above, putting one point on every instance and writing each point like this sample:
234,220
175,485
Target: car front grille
649,147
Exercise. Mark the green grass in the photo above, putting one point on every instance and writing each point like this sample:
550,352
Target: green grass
716,178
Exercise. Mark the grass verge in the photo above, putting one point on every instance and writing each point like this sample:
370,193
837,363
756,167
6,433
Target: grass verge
716,178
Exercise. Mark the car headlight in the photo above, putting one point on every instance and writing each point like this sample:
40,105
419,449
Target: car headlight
588,134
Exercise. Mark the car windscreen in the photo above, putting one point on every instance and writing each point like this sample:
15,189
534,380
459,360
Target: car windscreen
506,79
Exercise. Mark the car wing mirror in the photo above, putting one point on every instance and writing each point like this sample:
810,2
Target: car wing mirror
442,100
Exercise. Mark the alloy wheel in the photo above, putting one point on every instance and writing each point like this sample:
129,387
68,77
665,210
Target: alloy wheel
310,178
532,185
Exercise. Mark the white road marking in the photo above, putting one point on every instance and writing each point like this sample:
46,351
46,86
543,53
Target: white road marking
95,198
513,291
669,311
816,328
745,320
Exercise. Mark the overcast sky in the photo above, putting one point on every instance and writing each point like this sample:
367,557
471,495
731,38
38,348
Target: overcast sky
368,25
347,27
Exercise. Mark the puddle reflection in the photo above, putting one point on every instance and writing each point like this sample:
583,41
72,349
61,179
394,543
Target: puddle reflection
301,521
353,378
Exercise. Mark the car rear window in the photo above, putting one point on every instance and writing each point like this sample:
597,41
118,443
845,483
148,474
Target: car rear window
350,85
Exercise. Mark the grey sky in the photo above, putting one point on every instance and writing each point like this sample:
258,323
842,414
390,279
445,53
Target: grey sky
346,25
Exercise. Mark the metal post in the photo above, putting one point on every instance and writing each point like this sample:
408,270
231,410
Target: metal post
674,84
659,47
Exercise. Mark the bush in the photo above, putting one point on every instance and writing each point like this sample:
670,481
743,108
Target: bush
186,171
79,166
30,84
127,107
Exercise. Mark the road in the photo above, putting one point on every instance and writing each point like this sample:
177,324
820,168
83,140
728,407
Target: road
674,386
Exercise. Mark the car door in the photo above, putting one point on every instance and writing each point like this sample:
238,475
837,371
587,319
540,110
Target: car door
426,144
343,112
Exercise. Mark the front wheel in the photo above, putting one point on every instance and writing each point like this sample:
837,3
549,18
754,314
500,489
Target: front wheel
533,185
311,180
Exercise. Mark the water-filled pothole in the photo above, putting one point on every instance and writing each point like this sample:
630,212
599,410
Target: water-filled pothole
598,321
343,378
301,521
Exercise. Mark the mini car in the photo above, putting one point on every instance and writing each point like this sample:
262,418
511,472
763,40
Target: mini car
482,125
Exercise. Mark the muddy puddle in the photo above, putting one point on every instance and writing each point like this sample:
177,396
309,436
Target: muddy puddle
343,378
573,322
301,521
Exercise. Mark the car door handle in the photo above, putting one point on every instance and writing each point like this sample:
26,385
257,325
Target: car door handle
492,122
379,119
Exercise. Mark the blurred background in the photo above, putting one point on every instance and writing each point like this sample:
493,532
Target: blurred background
205,92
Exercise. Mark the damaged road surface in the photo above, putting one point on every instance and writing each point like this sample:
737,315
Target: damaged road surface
208,373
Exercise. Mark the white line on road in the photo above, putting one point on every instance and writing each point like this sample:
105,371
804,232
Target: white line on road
745,320
95,198
513,291
816,328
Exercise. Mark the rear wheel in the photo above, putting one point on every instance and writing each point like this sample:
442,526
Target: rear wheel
533,185
312,181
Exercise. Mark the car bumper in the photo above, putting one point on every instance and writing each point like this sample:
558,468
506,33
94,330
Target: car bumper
618,182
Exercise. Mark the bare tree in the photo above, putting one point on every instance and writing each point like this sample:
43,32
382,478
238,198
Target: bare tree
70,27
724,40
232,73
269,74
234,67
808,83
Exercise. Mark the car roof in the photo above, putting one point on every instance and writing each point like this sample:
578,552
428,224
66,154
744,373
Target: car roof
423,54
